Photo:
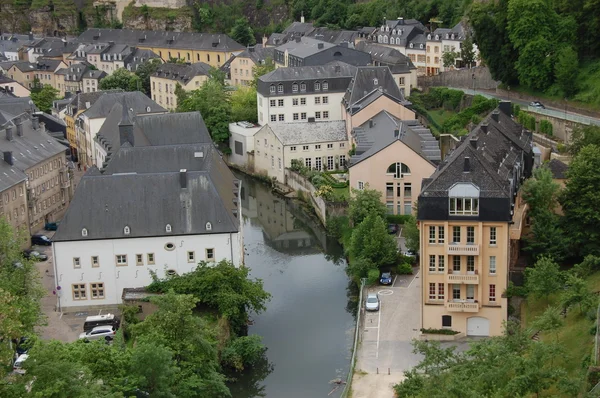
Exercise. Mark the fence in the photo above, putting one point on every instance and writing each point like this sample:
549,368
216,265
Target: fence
565,116
348,386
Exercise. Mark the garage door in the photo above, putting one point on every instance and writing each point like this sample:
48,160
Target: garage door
478,326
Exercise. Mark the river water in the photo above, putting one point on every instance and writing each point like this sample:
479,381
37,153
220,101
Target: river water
308,327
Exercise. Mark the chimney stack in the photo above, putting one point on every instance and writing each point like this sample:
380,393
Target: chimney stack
35,122
496,115
467,167
30,35
19,124
484,127
298,39
320,46
371,124
505,107
183,178
8,158
126,128
264,40
9,133
473,142
302,17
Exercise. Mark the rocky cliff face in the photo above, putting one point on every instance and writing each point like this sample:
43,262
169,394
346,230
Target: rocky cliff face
55,17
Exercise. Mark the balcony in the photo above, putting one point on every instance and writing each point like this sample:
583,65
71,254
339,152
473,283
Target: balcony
65,184
452,306
463,250
465,279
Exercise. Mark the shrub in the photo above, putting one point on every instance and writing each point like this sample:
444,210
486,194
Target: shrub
397,218
405,269
439,331
546,128
243,352
337,225
372,276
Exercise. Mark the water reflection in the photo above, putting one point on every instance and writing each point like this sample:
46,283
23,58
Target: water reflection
306,328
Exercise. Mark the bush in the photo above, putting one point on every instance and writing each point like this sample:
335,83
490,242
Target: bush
515,291
439,331
480,106
546,128
243,352
405,269
397,218
372,276
337,225
527,121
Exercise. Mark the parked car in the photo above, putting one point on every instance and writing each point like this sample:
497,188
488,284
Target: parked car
100,320
23,346
409,253
35,255
51,226
393,229
372,303
386,278
537,104
41,240
18,365
106,332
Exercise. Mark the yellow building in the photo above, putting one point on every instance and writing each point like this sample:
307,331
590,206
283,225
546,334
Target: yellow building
213,49
241,66
470,222
164,81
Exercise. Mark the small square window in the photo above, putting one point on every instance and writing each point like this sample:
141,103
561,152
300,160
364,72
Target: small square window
273,118
305,147
150,257
329,146
302,101
95,261
303,116
318,147
121,259
97,290
280,102
76,262
317,100
139,259
191,257
272,103
325,114
210,254
79,291
317,115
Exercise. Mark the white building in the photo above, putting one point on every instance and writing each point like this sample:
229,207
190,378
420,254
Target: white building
319,145
241,142
447,40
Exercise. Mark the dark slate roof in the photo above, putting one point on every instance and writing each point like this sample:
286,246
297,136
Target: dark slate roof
163,39
384,129
5,79
182,72
48,64
257,53
459,31
558,169
133,100
299,28
494,154
366,82
9,175
16,106
138,57
331,70
394,59
25,66
77,72
333,36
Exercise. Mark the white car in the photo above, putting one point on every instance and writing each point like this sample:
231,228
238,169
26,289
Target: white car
99,332
372,303
18,365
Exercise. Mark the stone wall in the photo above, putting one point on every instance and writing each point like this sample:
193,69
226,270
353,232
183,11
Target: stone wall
301,184
478,78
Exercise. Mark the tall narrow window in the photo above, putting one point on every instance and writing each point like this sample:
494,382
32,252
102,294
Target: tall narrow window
440,291
492,265
432,291
493,240
470,264
441,232
456,263
456,292
441,263
431,263
470,235
431,234
470,292
492,293
455,234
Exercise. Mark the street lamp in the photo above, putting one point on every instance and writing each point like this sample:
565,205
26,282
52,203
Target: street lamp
473,76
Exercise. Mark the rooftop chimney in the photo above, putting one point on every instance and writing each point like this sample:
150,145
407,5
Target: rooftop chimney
467,164
19,125
30,35
9,133
298,38
302,17
505,107
396,133
126,128
496,115
484,127
264,40
183,178
8,158
320,46
35,122
371,124
251,49
473,142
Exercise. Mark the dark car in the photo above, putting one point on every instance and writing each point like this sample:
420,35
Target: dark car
386,278
393,229
35,255
23,346
41,240
51,226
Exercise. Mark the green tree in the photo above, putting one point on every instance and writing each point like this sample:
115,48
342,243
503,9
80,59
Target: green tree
541,192
583,136
580,201
242,32
566,70
370,240
44,98
121,79
144,71
577,293
411,234
544,278
547,237
467,52
449,58
550,321
261,69
363,203
242,352
243,105
152,369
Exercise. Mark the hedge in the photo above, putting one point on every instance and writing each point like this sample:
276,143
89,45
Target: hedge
546,128
480,106
439,331
397,218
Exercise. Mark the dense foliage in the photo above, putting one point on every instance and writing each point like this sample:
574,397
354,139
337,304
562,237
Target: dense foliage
44,97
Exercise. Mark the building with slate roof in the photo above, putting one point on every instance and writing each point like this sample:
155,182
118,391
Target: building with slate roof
443,40
241,66
393,156
306,51
78,77
471,215
168,75
213,48
13,87
107,242
11,43
319,145
28,149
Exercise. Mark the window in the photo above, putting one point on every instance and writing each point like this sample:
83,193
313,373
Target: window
318,147
342,160
470,264
295,88
121,259
272,89
318,163
97,290
302,101
441,263
407,207
317,86
325,86
342,144
329,146
281,117
398,170
440,291
308,163
272,161
280,88
76,262
389,190
441,237
210,254
390,207
401,81
272,103
279,163
431,234
79,291
455,234
360,185
407,190
139,259
317,100
273,118
492,293
150,258
470,235
191,257
294,101
471,293
95,261
295,116
492,265
431,263
168,228
317,115
303,116
325,114
293,149
456,292
456,263
302,86
208,226
446,321
305,147
330,164
432,291
464,206
493,240
325,100
279,102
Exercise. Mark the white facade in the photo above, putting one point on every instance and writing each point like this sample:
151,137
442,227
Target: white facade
324,106
91,266
241,142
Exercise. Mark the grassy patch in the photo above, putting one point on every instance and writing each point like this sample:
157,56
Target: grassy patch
440,115
341,194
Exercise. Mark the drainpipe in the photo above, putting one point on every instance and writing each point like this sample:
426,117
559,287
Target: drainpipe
231,248
56,285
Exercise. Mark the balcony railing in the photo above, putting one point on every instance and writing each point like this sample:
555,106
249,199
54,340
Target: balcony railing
469,279
452,306
463,250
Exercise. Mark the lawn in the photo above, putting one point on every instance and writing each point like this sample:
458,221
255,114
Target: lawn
341,194
440,115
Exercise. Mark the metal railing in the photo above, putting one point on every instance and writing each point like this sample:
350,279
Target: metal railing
565,116
348,385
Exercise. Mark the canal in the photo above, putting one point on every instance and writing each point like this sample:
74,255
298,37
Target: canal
308,327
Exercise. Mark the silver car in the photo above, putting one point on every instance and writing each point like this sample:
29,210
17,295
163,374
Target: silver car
99,332
372,303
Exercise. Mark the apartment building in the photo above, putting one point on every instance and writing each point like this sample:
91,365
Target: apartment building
471,216
13,87
110,56
306,51
444,40
164,81
213,49
241,66
301,94
78,78
302,28
13,198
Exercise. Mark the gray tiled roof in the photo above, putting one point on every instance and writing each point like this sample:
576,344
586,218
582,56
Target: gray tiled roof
163,39
306,133
394,59
333,36
182,72
10,175
367,80
331,70
305,47
133,100
16,106
558,169
138,57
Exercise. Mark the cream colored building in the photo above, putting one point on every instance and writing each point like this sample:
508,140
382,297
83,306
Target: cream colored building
164,81
318,145
241,66
13,87
13,198
470,225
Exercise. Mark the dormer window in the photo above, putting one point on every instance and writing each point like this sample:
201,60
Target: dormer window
295,87
380,39
272,89
394,32
302,86
168,228
411,45
452,36
447,36
126,230
428,37
208,226
84,232
280,88
463,200
325,86
437,37
147,109
375,81
421,46
317,86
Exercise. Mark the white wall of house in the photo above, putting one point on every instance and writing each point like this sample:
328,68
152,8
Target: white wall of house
117,277
315,105
243,136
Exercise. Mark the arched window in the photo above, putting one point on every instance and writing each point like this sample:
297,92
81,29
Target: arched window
411,45
379,40
126,230
447,36
168,228
398,169
437,37
429,37
337,54
385,39
394,32
280,88
295,87
84,232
